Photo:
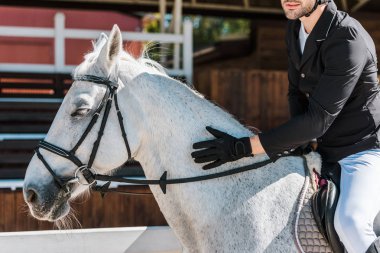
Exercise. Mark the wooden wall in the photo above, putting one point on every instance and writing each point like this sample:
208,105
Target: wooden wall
270,50
371,22
255,97
113,211
254,87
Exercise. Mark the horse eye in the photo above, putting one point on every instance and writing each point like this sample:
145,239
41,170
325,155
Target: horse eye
80,112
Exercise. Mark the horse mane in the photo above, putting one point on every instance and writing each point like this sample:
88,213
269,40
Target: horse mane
149,65
145,60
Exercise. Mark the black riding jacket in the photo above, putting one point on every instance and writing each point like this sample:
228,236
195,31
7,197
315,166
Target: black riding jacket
333,90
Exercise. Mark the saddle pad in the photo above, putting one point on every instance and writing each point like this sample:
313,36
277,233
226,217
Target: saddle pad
308,237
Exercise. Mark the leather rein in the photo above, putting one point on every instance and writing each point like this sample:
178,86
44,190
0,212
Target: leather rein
86,175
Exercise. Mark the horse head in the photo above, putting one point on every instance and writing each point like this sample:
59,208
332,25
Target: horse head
50,183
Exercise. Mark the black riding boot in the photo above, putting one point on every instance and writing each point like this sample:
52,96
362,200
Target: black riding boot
375,246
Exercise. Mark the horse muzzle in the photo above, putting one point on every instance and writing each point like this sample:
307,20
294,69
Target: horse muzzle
47,202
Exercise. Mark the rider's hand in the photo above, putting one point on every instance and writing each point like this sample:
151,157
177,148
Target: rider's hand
225,148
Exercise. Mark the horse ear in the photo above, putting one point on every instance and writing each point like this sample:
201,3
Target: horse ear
100,42
111,51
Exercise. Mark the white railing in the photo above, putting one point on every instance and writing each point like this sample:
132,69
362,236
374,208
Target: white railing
111,240
59,33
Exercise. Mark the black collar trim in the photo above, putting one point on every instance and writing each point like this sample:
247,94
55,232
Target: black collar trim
324,24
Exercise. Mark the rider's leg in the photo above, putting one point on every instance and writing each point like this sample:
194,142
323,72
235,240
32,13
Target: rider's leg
359,200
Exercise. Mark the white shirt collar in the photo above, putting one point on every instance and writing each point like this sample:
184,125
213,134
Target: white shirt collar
303,35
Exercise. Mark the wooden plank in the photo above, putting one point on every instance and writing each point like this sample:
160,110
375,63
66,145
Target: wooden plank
113,211
202,81
99,208
253,98
28,95
275,44
21,211
278,107
18,145
22,85
17,116
109,210
15,158
50,107
229,86
2,212
31,223
41,225
214,84
29,85
271,46
11,212
17,128
264,101
32,75
12,172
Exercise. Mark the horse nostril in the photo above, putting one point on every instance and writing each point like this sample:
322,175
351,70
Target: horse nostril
31,196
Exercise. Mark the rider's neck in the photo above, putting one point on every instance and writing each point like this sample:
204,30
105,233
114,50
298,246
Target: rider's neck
311,21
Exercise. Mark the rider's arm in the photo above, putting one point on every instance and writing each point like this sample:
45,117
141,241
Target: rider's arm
296,99
344,62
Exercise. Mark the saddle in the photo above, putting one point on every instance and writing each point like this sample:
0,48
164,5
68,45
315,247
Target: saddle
324,202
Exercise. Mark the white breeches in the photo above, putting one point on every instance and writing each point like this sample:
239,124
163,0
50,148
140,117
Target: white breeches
359,200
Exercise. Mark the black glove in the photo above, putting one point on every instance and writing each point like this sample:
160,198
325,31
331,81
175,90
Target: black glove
225,148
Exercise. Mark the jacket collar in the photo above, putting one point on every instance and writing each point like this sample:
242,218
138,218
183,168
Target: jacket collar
323,26
316,37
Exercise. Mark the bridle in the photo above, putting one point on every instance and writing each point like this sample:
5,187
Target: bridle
86,173
86,170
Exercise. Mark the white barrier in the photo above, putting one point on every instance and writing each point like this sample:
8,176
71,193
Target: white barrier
59,33
104,240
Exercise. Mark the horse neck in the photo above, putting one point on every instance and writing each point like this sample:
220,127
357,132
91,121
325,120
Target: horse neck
174,117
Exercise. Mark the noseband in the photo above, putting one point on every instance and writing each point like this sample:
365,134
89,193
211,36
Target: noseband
85,170
90,176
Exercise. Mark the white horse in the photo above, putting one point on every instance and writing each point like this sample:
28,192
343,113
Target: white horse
252,211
